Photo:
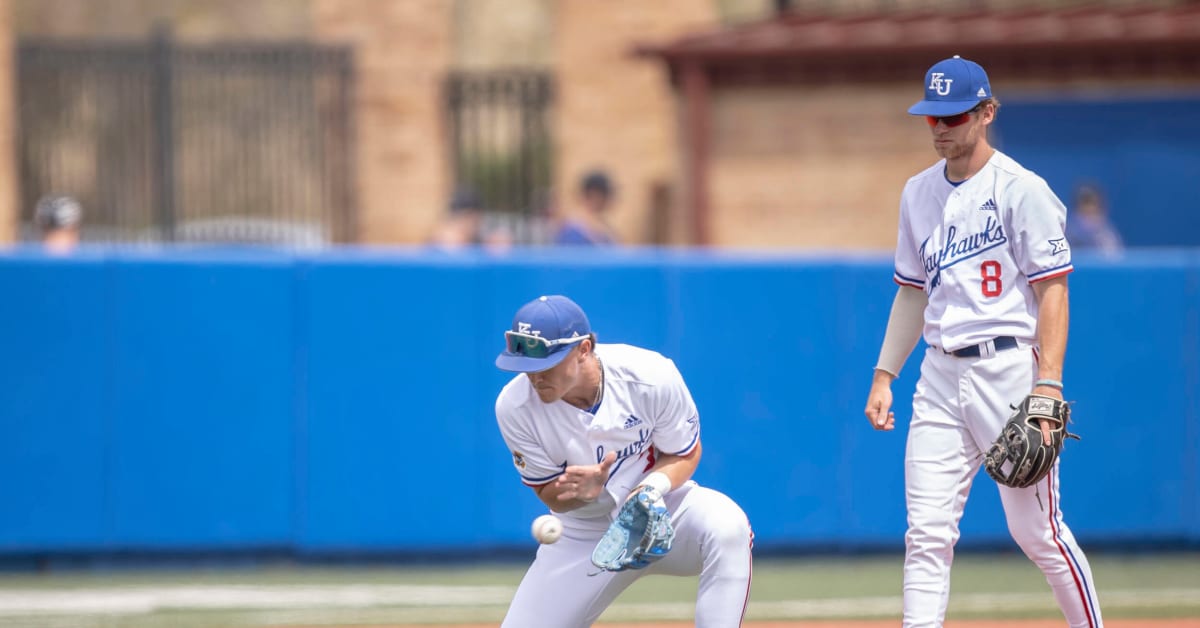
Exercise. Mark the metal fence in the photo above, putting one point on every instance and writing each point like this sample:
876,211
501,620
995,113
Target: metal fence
162,142
501,144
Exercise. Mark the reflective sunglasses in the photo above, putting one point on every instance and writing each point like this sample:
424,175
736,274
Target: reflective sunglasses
535,346
955,120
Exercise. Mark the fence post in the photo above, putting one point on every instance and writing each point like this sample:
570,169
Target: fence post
162,61
348,102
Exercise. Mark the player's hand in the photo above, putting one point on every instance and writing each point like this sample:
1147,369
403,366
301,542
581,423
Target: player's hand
879,402
1046,425
585,482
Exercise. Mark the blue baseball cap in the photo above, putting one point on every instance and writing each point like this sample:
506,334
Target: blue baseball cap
543,333
953,86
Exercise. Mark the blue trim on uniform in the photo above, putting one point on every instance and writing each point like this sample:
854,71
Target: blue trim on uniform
540,481
562,468
1056,524
946,175
1087,588
1048,271
901,279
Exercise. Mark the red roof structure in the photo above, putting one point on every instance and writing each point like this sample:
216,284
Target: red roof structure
873,46
1095,41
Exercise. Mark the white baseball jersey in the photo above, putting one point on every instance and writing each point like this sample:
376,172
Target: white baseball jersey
645,406
976,247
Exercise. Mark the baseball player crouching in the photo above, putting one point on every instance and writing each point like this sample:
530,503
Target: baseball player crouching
607,435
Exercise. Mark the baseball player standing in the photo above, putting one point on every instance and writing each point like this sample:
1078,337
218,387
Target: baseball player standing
588,425
982,265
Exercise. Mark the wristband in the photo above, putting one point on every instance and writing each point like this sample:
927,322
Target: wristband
1053,383
659,481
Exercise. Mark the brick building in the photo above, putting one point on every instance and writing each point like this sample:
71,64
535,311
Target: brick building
613,109
720,121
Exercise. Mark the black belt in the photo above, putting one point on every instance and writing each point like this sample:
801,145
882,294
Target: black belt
1000,342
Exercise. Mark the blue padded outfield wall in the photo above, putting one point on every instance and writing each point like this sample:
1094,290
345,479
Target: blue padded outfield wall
342,401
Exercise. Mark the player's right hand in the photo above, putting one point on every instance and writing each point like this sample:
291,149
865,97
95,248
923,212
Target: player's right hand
879,402
585,482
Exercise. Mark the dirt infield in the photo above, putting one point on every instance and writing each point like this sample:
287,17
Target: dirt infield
878,623
891,623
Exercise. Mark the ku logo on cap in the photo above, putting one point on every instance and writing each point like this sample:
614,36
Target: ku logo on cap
527,328
939,84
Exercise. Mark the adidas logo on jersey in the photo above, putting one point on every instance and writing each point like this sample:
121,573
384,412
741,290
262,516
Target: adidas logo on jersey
989,206
632,421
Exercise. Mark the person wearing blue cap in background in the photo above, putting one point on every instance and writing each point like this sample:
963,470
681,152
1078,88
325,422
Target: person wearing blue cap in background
589,425
982,264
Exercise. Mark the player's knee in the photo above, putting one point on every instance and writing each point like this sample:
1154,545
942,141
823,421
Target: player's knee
1031,538
932,524
735,530
934,532
730,532
726,551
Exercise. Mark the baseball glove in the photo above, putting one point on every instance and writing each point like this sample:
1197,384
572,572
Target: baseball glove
1019,458
640,535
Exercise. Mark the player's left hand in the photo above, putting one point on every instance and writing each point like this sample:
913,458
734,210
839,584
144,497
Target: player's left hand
1047,391
584,482
1014,459
640,534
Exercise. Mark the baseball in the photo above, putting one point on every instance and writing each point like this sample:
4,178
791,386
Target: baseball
547,529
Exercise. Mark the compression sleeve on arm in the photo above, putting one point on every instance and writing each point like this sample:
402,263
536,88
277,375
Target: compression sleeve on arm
903,329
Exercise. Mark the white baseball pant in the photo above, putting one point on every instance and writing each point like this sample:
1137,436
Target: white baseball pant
959,407
712,540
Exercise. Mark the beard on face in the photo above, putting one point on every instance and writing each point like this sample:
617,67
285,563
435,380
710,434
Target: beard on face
953,150
958,148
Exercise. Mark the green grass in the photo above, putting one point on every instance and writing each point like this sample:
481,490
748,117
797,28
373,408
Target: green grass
1130,586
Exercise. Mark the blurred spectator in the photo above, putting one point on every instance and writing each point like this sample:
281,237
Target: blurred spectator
1088,226
59,219
588,224
463,225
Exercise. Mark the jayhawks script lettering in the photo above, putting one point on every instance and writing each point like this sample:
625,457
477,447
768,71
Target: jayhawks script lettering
632,449
958,248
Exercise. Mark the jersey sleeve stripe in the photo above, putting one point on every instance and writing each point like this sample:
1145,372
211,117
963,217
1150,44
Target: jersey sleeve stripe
540,481
1051,273
908,281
